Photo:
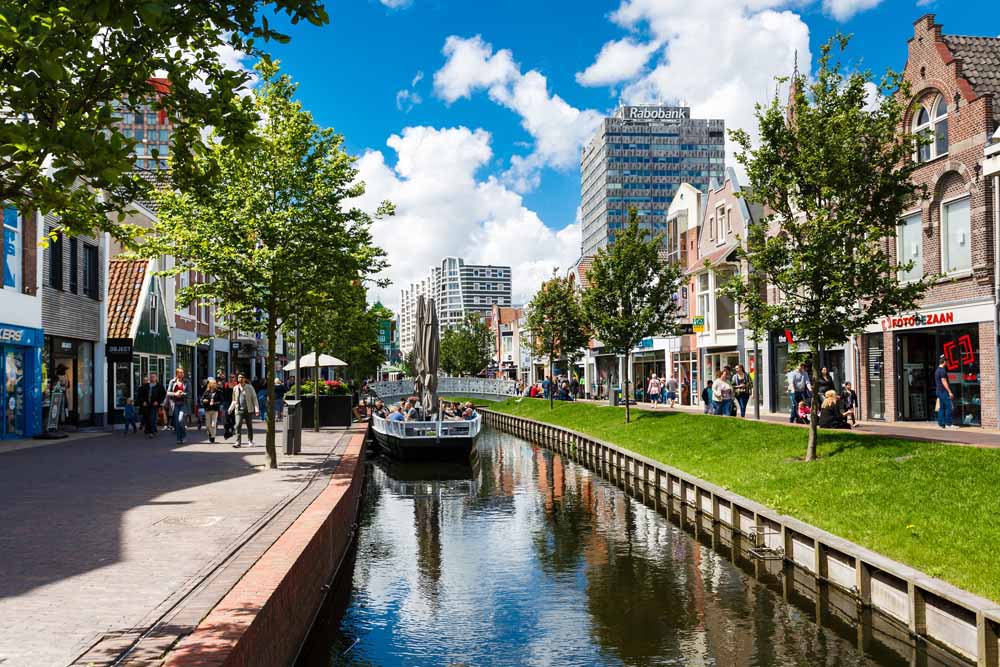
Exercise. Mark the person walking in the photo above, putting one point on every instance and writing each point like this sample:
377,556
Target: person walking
261,387
244,406
706,398
150,397
279,398
944,393
227,400
671,391
798,388
211,401
653,390
177,392
722,394
742,388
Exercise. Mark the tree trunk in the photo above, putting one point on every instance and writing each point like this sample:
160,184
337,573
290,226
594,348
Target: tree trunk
813,417
316,390
552,386
628,415
272,338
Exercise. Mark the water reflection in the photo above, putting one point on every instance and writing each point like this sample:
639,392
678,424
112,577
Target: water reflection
527,558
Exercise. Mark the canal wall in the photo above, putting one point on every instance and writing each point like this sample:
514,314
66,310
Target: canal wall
266,616
928,608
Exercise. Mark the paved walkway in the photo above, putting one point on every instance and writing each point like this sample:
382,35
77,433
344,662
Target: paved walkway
970,436
114,543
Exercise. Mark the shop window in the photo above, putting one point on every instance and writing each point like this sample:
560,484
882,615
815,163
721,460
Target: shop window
11,248
704,300
56,261
910,248
931,121
74,266
956,246
91,268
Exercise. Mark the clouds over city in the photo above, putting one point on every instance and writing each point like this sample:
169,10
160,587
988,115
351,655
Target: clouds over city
445,208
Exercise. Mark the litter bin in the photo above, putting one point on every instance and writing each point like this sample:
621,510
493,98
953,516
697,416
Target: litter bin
293,426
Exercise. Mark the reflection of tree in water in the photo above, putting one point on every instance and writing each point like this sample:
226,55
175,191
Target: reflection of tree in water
558,541
427,521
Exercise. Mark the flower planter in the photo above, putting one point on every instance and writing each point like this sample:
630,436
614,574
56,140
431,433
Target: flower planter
333,411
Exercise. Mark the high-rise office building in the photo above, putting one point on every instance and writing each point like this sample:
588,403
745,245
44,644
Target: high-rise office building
638,158
457,289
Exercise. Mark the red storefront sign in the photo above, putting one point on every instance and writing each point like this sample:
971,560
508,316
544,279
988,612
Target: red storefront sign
918,320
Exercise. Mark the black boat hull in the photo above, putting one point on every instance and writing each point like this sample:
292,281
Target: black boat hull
425,449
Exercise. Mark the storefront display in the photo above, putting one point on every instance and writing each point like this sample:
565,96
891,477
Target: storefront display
918,352
686,374
21,388
875,367
70,364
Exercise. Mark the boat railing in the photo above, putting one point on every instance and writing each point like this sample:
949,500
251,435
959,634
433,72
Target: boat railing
465,428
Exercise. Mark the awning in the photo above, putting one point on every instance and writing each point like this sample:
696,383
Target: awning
726,253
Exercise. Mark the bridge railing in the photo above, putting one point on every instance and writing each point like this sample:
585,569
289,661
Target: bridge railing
450,386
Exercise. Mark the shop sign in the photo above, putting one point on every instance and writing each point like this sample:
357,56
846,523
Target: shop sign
235,346
645,343
918,320
656,113
684,329
118,350
698,324
12,335
67,346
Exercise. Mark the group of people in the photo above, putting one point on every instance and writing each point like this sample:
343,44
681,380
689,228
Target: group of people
662,391
227,405
728,394
837,409
411,409
561,389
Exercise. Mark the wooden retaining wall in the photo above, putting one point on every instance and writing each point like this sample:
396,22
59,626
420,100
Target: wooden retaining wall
929,608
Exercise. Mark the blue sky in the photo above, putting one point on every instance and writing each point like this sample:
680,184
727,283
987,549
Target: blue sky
487,130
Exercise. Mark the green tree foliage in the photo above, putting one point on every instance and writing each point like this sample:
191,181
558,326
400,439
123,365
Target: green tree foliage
834,173
65,66
409,363
632,292
270,223
468,348
556,324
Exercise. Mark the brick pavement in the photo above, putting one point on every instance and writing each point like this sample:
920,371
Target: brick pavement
929,431
101,537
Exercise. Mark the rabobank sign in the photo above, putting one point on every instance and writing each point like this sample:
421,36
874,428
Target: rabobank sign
656,113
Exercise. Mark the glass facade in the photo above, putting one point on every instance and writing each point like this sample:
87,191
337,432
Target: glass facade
875,366
918,353
69,363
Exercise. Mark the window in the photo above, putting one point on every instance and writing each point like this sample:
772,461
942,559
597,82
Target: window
704,300
91,268
154,313
956,253
725,307
56,262
720,220
74,266
931,120
910,247
711,229
11,248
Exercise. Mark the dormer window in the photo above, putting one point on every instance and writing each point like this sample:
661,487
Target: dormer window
931,120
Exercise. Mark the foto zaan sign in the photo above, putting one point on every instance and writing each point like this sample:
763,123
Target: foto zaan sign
918,320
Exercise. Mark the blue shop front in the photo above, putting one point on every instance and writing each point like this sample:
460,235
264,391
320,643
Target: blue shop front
21,370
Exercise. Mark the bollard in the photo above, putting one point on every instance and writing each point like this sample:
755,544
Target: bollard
293,427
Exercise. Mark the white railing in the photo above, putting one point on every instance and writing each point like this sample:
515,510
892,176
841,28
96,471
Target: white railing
442,429
449,386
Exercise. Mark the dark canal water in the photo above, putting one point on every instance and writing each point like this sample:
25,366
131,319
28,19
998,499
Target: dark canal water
527,558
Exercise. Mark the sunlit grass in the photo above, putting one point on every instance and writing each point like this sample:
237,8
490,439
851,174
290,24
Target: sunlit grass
932,506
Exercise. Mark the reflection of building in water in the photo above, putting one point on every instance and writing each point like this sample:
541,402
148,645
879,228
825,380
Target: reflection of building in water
427,521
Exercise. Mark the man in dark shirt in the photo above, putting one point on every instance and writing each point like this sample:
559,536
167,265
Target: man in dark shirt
150,397
944,395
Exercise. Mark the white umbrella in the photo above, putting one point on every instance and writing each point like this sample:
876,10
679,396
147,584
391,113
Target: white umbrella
309,360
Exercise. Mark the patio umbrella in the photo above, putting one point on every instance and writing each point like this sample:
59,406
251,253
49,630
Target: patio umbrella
309,360
430,351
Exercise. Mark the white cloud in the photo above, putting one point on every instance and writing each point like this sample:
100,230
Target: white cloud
843,10
557,128
395,4
407,99
719,56
618,61
443,209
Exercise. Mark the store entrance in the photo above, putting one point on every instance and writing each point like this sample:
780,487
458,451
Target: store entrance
918,354
12,393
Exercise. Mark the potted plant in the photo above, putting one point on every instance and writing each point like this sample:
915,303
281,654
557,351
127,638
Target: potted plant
334,403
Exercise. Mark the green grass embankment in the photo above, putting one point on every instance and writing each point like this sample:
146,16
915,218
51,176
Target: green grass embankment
935,507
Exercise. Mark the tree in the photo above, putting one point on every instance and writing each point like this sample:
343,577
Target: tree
68,70
468,348
270,223
556,323
632,293
834,173
409,363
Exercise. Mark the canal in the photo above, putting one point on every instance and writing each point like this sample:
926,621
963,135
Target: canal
527,558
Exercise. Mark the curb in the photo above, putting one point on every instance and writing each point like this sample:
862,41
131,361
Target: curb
267,615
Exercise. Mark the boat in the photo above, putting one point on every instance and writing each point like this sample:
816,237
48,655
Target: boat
446,440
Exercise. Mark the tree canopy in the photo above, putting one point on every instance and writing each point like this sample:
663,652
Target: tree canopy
834,173
69,70
555,323
468,348
632,292
271,223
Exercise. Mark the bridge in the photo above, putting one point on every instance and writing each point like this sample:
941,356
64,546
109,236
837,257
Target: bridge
486,388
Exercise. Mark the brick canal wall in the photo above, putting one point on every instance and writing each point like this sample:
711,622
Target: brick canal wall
926,607
265,618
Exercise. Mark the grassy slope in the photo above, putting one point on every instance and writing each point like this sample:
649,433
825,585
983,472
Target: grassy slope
932,506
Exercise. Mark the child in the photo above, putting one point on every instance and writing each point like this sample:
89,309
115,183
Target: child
804,412
129,413
706,397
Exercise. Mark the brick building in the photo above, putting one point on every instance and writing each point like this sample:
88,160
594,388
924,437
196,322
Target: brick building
955,81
